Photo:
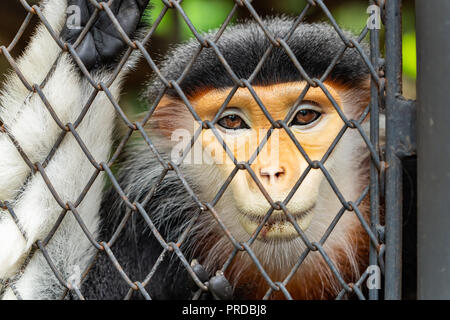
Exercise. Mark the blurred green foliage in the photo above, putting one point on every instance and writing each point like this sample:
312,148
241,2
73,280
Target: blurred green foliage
204,15
409,54
409,44
352,17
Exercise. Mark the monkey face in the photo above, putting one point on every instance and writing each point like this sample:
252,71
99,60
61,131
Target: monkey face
279,165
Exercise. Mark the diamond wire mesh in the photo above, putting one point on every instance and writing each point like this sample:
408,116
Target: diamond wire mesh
377,246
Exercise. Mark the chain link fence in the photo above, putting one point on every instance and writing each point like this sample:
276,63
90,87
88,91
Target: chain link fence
379,180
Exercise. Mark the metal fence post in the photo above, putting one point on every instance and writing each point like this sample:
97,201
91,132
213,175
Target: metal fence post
433,52
394,123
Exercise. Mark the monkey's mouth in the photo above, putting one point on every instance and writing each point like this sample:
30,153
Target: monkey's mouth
277,227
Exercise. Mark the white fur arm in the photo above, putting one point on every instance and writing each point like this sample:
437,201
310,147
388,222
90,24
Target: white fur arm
27,120
69,171
25,116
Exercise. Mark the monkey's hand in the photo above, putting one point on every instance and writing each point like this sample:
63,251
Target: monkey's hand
103,44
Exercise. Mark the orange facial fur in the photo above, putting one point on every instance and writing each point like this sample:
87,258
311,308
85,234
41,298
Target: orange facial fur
278,99
280,164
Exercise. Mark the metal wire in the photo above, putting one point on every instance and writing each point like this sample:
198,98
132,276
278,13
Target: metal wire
104,246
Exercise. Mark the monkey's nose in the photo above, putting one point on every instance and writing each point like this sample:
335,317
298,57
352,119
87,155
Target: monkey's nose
271,174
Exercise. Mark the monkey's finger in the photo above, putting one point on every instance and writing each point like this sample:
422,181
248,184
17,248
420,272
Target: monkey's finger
127,12
130,13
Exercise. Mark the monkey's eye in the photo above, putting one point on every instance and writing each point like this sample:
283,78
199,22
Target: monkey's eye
232,122
305,117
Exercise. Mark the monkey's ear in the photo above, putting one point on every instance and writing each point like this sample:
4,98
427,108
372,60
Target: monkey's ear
382,129
170,114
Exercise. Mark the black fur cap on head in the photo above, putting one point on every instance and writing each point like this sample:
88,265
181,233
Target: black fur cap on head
243,45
